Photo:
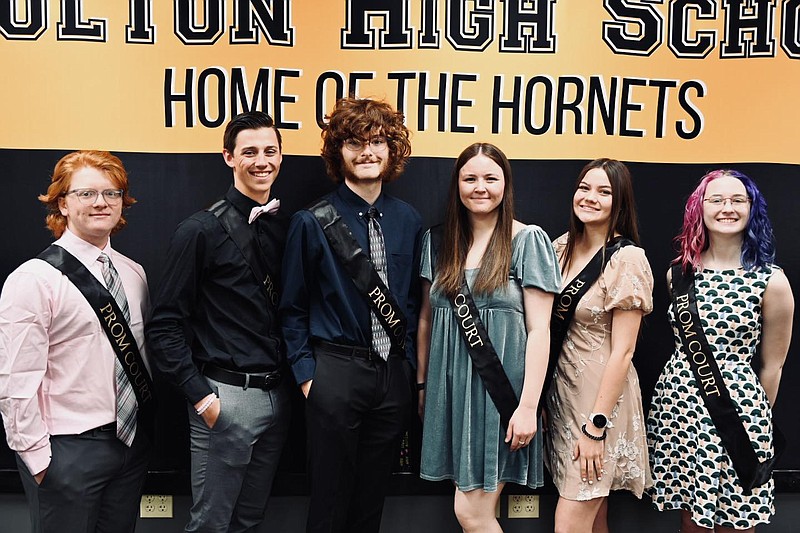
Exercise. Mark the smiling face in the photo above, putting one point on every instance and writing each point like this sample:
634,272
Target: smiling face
593,198
365,160
93,222
727,217
481,185
256,161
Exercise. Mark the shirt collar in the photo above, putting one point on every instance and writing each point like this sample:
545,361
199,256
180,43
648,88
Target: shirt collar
86,252
356,203
242,203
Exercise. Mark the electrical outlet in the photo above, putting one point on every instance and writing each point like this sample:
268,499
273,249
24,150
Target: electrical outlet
523,506
155,506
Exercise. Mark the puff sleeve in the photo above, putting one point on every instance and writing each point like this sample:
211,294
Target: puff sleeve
534,263
628,281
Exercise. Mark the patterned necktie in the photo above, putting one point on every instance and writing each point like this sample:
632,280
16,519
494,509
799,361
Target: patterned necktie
377,253
126,398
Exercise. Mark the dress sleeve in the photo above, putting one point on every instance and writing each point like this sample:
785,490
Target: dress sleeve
426,262
628,281
534,263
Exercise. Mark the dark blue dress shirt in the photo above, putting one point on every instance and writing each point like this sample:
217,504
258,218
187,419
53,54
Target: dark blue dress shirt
320,301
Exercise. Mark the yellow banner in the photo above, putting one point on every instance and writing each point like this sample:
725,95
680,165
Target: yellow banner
638,80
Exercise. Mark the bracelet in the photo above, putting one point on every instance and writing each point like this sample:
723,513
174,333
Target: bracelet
206,404
421,386
593,437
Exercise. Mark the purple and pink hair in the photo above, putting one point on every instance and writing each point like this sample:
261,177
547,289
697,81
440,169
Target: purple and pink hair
758,246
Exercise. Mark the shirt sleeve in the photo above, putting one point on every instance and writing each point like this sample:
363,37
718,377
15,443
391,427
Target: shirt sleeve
169,347
628,281
25,313
298,259
535,262
426,262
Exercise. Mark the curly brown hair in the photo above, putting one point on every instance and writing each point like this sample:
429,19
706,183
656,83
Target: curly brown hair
62,177
360,118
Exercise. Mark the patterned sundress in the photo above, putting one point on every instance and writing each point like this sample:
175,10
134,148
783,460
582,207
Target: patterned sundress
626,283
691,469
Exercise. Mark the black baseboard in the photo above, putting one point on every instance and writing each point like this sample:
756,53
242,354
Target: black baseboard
402,484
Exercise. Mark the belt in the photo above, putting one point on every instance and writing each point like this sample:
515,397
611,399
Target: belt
260,380
109,429
348,350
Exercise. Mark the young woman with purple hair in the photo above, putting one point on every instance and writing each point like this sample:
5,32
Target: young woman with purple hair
710,426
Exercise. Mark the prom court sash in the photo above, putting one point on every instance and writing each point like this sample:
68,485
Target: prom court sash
752,473
242,236
479,346
114,325
360,269
566,303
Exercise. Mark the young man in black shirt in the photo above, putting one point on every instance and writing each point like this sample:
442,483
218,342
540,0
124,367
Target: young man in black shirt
220,281
355,371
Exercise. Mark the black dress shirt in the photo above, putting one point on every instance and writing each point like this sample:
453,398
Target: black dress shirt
210,307
320,301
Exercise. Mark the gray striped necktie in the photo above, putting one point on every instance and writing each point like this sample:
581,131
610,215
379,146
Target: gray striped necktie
126,398
377,253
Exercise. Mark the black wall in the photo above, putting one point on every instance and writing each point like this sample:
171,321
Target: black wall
169,187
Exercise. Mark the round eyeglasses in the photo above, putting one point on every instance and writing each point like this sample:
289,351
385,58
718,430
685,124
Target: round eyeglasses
376,144
89,196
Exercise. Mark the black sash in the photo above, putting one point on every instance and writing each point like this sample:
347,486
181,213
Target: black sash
360,269
751,472
479,345
243,238
114,324
566,303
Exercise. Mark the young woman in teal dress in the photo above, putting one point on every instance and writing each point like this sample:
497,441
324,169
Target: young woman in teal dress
744,304
512,272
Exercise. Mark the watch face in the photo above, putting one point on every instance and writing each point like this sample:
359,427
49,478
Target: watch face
599,420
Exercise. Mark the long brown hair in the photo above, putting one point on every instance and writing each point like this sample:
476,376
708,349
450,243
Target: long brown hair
623,207
457,238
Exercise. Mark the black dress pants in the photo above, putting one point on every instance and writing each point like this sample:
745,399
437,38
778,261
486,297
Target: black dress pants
356,412
93,484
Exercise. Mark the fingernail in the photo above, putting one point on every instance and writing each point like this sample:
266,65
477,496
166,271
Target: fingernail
590,482
583,479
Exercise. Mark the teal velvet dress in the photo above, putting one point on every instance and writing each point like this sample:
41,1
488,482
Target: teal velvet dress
462,438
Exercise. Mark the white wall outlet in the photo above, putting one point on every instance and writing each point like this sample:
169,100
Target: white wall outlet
155,506
523,506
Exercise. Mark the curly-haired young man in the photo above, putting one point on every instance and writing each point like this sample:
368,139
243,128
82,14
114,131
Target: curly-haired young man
350,340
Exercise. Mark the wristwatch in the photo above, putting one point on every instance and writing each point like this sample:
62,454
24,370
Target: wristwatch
598,420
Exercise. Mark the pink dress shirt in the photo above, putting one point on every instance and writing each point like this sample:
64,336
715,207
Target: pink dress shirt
56,362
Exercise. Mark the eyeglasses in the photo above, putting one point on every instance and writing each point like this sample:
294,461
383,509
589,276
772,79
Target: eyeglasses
89,196
738,200
376,144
